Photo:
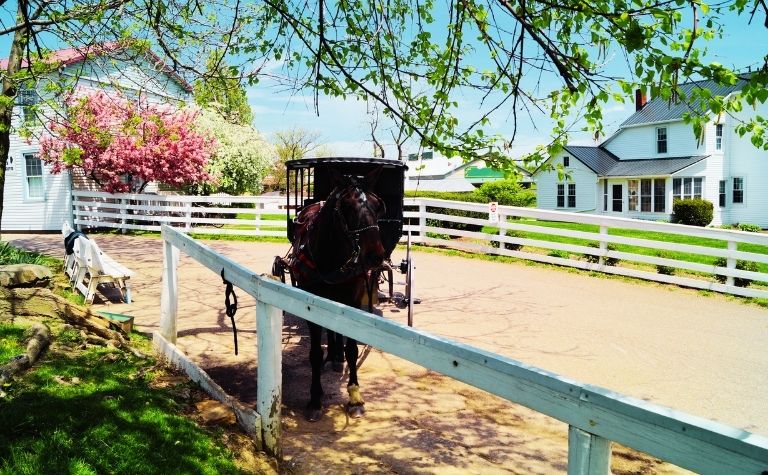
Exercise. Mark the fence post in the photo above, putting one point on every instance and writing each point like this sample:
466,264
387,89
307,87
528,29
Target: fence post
188,214
123,214
259,210
422,222
603,245
731,263
502,230
588,454
169,296
269,390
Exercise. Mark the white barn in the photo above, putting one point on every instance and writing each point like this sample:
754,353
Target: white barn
34,198
655,158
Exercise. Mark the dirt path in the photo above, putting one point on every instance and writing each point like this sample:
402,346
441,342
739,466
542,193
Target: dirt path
701,354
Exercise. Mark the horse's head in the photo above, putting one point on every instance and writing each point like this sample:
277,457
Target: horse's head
357,209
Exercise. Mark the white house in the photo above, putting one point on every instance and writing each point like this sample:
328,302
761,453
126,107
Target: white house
35,199
431,171
655,158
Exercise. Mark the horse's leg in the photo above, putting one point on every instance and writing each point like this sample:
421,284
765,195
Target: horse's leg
315,406
356,405
335,351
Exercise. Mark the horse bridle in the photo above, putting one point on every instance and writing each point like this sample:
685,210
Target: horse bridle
354,235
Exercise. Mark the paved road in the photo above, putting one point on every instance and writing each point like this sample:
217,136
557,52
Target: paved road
705,355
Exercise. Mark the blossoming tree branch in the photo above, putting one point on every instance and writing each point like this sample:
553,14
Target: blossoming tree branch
124,145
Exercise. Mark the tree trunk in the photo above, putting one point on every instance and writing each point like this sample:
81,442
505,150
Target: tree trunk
8,97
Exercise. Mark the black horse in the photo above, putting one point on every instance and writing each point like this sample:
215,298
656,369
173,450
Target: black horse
336,243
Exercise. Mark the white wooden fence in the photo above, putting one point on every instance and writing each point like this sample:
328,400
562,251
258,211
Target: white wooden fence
200,215
242,215
514,219
595,416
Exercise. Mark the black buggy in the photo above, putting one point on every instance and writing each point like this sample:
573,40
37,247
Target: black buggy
310,181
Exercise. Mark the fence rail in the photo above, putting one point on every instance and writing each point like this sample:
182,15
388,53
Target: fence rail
434,222
595,416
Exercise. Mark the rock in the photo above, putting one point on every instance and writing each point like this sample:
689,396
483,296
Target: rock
25,275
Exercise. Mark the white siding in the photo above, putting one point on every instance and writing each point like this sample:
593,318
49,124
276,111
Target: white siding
640,142
752,164
584,178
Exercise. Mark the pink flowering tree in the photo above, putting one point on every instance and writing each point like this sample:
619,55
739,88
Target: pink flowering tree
123,145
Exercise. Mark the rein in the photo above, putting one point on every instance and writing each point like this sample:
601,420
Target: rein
231,307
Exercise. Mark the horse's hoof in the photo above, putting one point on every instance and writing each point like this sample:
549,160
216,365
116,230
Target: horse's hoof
355,412
337,366
313,415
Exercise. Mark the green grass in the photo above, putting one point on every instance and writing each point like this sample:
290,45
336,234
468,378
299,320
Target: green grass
13,255
10,342
110,421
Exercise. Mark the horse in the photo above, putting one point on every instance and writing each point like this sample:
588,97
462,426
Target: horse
335,245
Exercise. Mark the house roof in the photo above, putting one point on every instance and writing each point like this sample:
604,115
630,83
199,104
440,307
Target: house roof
604,163
660,110
69,56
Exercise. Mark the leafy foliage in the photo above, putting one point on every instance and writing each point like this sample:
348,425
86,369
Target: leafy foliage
291,144
220,89
693,212
594,258
241,158
507,192
123,145
752,228
740,265
662,269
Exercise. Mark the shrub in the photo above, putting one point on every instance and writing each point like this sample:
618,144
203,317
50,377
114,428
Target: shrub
559,253
507,192
696,212
509,245
741,265
594,259
753,228
662,269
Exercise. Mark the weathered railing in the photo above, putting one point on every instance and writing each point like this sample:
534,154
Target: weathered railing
595,416
237,215
426,215
254,216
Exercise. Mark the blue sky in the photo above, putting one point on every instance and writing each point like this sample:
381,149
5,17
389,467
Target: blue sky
343,125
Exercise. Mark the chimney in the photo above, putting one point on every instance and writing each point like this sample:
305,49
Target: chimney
640,99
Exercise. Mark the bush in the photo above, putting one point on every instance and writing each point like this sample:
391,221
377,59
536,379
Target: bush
507,193
741,265
752,228
696,212
509,245
594,259
559,253
662,269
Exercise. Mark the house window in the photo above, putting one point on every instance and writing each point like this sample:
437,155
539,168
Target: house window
686,188
617,198
738,190
560,195
28,100
633,189
646,200
659,195
718,136
605,195
566,161
722,193
661,140
571,195
34,176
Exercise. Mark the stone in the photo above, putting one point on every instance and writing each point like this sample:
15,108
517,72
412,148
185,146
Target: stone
25,275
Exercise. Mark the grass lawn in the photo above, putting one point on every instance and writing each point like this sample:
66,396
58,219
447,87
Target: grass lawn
93,411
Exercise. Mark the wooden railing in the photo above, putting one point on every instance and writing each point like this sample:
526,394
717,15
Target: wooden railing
235,215
425,216
595,416
249,216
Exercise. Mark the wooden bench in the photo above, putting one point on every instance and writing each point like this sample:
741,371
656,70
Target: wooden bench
93,267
